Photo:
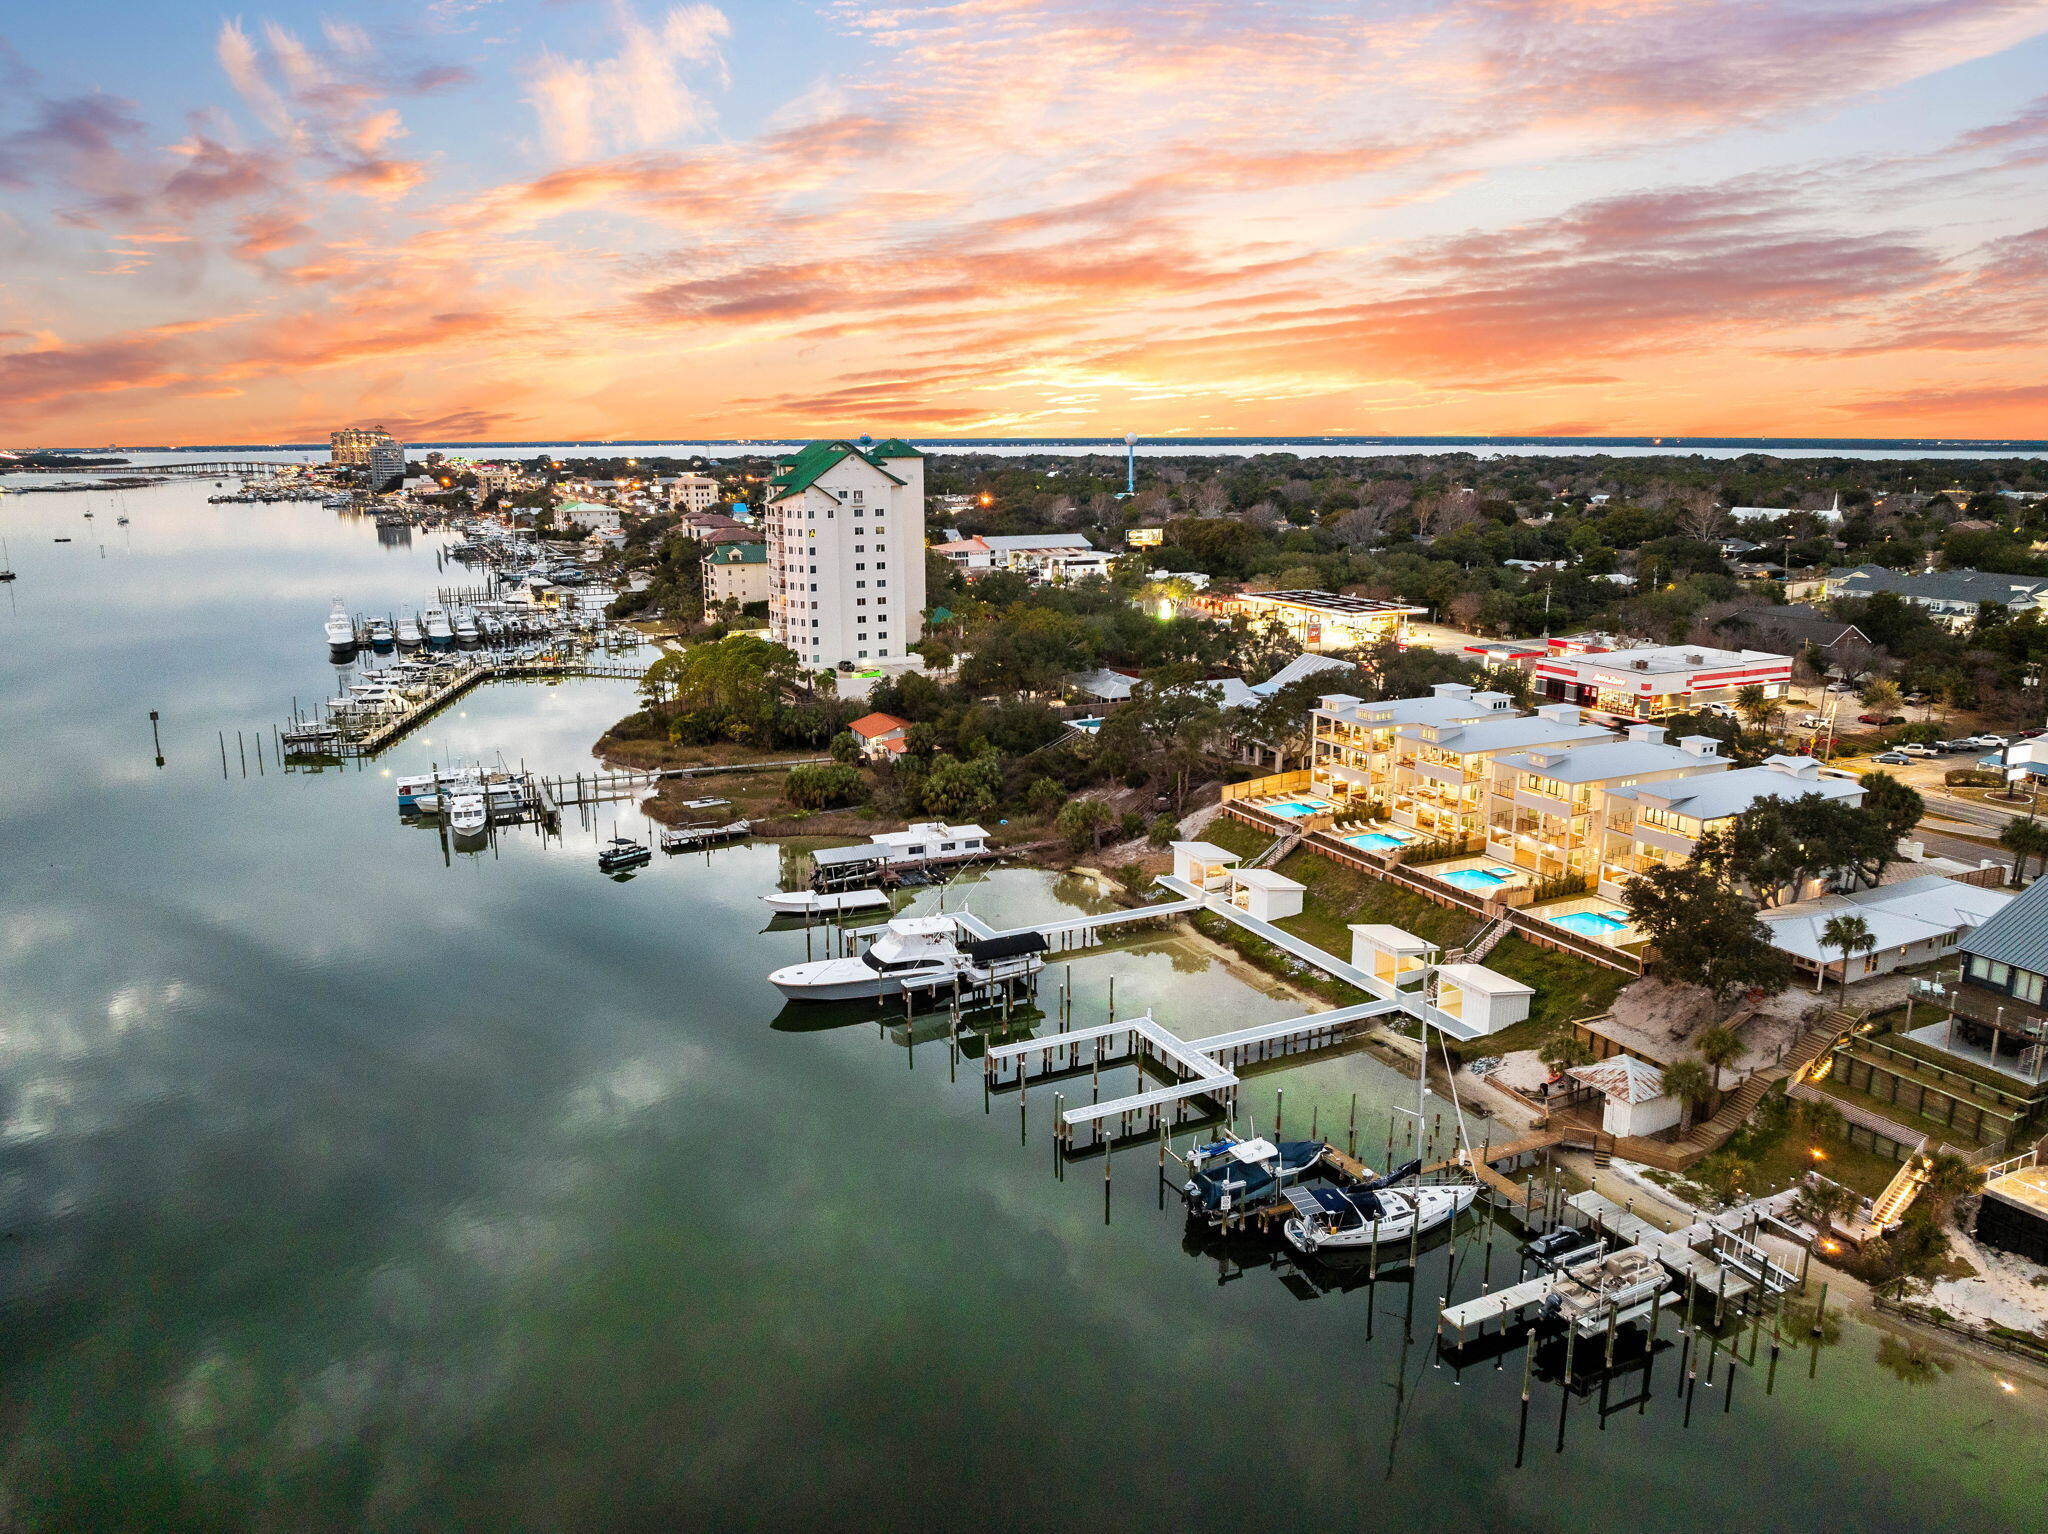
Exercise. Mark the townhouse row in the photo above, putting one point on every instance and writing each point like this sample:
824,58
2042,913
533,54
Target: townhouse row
1549,793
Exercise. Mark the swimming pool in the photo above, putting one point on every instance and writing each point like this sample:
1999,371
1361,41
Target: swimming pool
1600,924
1378,841
1294,808
1482,881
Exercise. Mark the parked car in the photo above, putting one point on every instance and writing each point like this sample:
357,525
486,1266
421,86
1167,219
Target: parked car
1881,719
1950,747
1893,759
2030,734
1840,687
1987,742
1916,749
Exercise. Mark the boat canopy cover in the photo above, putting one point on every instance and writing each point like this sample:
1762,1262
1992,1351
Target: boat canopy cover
1007,946
831,857
1254,1150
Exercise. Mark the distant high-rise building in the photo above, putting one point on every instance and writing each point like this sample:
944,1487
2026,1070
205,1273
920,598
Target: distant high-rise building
376,455
845,525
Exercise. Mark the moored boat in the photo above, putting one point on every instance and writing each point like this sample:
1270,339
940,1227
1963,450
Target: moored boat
914,953
468,816
811,903
341,628
622,852
1231,1175
437,626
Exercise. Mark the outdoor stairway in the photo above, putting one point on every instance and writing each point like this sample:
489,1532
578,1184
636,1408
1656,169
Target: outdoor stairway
1282,845
1814,1041
1488,940
1900,1192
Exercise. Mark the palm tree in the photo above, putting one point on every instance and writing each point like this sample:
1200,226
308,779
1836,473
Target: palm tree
1719,1046
1689,1082
1821,1202
2023,839
1758,707
1846,935
1949,1178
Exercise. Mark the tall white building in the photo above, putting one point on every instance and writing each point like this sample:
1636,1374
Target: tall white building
845,525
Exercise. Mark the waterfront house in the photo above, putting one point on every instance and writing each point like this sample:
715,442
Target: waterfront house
1915,921
880,735
1442,772
1658,823
1555,810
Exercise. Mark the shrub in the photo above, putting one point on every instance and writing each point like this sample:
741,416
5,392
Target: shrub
1165,830
1132,824
821,787
845,747
1044,797
1973,777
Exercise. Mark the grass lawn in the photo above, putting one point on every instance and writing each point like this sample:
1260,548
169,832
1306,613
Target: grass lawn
1567,987
1786,1157
1898,1113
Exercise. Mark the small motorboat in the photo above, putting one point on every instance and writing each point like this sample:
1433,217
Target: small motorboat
1618,1287
120,521
622,852
469,817
1231,1175
811,903
381,637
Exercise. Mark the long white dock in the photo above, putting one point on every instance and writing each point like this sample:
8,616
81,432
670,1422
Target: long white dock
1200,1063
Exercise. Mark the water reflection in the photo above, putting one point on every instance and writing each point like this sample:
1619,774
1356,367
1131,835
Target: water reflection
345,1186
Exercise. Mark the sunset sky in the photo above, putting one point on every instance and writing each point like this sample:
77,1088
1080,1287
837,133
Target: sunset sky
473,219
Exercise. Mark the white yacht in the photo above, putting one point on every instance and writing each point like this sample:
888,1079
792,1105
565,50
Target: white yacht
468,815
912,953
439,630
409,632
341,628
466,630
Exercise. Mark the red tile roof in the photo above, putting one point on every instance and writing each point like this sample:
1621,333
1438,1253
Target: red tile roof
869,726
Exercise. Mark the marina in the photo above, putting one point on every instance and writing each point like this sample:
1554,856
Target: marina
540,1163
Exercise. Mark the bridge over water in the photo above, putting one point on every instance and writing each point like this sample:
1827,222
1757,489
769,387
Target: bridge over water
206,468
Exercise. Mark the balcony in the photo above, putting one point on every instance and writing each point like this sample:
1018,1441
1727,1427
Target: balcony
2010,1016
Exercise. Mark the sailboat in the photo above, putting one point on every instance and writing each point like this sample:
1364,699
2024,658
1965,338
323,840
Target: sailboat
1374,1213
6,570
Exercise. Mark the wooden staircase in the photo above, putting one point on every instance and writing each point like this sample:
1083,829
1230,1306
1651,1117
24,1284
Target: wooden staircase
1900,1192
1711,1133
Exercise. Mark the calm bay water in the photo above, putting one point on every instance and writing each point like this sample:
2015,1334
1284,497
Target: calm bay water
345,1184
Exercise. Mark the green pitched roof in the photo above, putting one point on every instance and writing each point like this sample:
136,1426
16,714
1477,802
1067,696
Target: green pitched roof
801,471
895,447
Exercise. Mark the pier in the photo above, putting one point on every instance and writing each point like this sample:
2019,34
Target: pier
1206,1067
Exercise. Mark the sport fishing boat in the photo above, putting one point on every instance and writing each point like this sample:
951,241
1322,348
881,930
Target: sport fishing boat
409,632
341,628
439,630
1374,1213
466,632
1229,1175
381,637
913,953
811,903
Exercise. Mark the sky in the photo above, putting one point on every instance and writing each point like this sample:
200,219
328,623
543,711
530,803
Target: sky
546,219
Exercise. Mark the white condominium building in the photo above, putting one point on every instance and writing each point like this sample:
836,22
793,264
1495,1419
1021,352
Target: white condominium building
845,526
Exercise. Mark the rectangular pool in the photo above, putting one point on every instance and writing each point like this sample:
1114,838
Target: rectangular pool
1294,808
1594,924
1481,881
1377,841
